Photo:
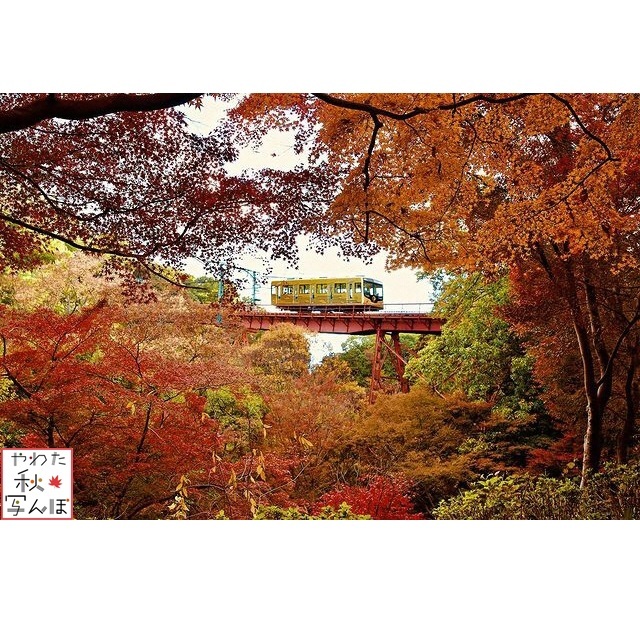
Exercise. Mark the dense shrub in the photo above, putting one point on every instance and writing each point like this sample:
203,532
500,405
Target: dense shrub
612,494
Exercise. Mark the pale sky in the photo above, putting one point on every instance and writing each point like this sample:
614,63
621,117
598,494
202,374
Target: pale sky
277,152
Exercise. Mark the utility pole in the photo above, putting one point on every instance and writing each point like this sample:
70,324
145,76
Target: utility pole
254,283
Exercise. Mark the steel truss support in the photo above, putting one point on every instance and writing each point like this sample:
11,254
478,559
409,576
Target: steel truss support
387,342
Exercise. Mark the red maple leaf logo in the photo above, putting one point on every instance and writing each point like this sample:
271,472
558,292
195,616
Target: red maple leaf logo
55,482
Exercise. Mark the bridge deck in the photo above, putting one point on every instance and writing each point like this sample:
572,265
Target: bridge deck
359,324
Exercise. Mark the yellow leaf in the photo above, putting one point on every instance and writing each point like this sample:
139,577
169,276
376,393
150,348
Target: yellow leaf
305,443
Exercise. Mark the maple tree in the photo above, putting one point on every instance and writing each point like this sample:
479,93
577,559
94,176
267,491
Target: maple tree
122,175
125,385
308,421
158,400
499,184
294,416
382,498
133,416
606,364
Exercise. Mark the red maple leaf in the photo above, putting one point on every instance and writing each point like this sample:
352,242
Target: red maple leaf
55,482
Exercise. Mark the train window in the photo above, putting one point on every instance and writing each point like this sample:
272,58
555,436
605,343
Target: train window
274,290
340,287
358,287
287,290
303,288
322,288
373,291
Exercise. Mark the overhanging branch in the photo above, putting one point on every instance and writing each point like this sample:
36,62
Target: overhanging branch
50,106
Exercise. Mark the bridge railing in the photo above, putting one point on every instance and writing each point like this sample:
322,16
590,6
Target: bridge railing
416,308
409,307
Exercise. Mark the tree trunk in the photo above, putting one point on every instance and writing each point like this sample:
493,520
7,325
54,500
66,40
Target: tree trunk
597,391
631,393
51,443
592,448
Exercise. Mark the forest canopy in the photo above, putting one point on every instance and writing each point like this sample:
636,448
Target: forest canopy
537,191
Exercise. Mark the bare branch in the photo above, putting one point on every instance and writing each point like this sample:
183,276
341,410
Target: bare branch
139,258
621,338
377,125
453,106
50,106
414,235
582,126
72,243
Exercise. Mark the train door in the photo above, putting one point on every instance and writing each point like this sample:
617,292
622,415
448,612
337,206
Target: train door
322,293
358,292
339,292
304,293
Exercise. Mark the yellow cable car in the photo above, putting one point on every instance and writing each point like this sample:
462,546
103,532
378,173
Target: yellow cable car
332,294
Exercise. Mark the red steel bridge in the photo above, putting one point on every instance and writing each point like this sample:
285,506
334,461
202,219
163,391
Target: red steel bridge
386,325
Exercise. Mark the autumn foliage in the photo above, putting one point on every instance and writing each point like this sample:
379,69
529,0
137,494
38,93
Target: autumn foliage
132,415
382,498
535,196
123,176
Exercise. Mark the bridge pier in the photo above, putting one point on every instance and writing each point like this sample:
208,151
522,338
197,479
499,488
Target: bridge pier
386,326
387,342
